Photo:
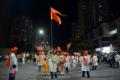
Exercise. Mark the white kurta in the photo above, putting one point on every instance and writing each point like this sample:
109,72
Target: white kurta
67,62
53,61
85,67
50,64
13,60
95,60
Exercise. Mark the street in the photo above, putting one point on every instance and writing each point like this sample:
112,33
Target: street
28,72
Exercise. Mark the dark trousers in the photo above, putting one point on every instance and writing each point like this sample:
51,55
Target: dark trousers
67,70
117,64
110,63
83,74
94,67
53,74
11,77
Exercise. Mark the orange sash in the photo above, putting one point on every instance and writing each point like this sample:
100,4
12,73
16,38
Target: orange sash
84,61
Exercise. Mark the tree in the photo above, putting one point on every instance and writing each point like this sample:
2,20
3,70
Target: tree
80,45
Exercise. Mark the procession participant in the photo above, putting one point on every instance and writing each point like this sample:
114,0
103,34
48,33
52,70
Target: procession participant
76,54
38,62
74,61
53,64
61,62
85,64
80,60
94,61
117,59
13,73
7,61
44,66
49,62
41,58
58,55
67,62
71,61
23,58
13,60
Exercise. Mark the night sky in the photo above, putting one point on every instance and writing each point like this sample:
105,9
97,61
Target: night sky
38,11
61,34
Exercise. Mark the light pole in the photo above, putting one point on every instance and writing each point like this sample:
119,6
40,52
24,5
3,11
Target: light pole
41,32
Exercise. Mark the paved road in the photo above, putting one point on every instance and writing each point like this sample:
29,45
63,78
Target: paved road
28,72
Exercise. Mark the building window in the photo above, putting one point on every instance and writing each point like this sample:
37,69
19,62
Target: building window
100,18
99,5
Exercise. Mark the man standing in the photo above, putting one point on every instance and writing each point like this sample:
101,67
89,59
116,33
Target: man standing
53,65
95,61
85,64
67,62
13,60
23,58
117,59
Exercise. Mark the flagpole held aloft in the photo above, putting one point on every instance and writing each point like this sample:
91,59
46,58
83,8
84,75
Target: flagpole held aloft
54,15
51,33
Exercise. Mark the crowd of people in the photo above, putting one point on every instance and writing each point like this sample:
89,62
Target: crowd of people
58,61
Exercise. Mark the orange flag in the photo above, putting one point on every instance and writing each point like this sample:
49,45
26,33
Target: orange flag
54,15
68,45
7,61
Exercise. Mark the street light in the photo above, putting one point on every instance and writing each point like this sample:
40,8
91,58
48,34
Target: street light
42,42
41,31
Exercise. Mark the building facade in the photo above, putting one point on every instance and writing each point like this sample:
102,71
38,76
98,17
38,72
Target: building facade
96,23
22,32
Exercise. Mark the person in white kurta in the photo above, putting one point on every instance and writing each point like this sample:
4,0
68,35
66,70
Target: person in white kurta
53,65
67,63
74,62
23,58
13,60
95,61
117,59
50,63
85,64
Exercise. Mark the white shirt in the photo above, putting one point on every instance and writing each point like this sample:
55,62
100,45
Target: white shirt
13,59
85,67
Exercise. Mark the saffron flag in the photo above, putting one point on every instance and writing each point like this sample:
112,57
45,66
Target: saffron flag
55,15
7,61
68,45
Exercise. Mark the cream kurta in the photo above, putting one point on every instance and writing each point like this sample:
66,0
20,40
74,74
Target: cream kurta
53,61
13,61
67,62
95,61
85,67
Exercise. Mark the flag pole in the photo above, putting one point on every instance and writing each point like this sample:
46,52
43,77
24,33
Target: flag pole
51,33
